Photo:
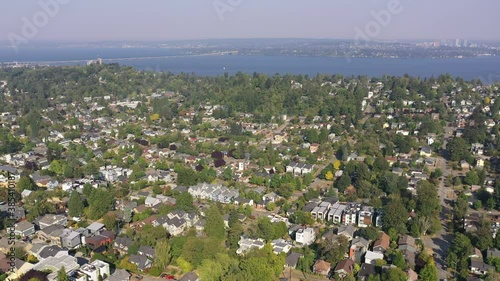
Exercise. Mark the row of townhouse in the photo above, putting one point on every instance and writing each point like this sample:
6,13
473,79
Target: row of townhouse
345,213
214,192
299,168
52,230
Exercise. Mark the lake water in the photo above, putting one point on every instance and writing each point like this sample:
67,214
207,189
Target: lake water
157,59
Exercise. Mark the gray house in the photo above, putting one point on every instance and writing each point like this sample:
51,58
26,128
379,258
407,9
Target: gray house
24,228
95,228
70,239
119,275
122,244
51,219
141,261
147,251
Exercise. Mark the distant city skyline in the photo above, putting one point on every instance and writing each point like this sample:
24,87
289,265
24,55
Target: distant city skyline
128,20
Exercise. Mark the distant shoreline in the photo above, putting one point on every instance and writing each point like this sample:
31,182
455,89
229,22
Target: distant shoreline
486,68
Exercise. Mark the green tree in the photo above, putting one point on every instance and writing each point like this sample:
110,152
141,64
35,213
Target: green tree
428,204
394,274
184,201
369,233
127,215
163,254
87,189
482,238
459,251
429,272
214,226
110,221
150,235
234,233
458,149
100,202
265,229
26,183
228,174
62,275
399,260
333,250
395,216
75,204
471,178
460,209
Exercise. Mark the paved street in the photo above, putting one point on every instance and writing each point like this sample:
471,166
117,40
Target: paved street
440,242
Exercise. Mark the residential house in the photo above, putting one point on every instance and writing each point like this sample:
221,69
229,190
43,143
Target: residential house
372,257
477,266
142,262
51,219
426,151
70,239
51,251
477,149
492,253
95,228
322,267
319,213
366,271
243,201
97,270
382,243
365,216
347,231
344,268
147,251
358,248
119,275
247,244
335,212
398,171
122,244
54,264
102,239
305,236
270,197
350,214
213,192
293,259
24,228
298,169
406,244
281,246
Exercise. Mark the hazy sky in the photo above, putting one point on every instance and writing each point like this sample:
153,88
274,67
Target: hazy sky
99,20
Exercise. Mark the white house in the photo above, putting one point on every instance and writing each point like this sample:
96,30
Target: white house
371,257
305,236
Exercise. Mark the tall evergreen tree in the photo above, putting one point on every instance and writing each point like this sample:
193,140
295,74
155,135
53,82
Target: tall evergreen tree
214,227
75,204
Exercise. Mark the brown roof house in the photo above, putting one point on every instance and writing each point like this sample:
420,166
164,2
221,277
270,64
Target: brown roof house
382,243
406,244
344,268
322,267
